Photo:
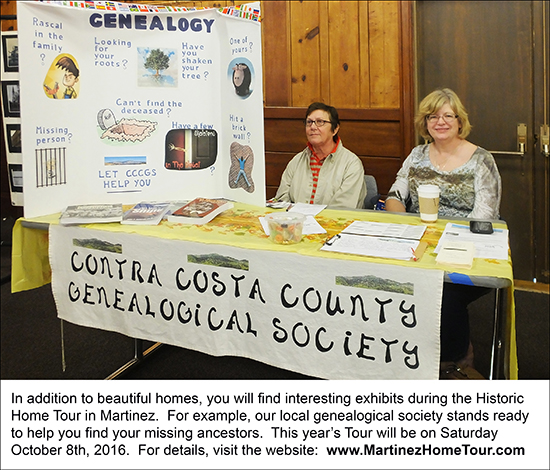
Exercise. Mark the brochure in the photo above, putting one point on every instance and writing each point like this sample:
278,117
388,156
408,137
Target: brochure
146,213
199,211
91,214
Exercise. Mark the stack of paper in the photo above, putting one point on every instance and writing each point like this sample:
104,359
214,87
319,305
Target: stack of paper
456,254
490,246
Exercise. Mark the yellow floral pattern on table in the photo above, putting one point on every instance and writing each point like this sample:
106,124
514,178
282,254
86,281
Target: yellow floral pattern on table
241,227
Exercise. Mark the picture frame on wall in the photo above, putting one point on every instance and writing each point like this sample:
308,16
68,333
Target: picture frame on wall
15,172
10,54
16,177
11,98
13,137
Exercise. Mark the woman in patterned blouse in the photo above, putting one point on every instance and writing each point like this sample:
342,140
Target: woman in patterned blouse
466,174
470,187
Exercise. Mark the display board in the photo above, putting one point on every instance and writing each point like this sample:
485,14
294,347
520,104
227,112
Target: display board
127,103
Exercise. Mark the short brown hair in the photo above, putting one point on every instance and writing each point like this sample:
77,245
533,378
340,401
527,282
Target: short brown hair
433,103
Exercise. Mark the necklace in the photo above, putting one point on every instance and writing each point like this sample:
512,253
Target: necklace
454,152
442,167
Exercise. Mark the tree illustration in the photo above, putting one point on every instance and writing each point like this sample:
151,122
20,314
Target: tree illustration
157,60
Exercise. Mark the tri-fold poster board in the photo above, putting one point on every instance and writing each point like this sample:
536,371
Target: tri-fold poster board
128,103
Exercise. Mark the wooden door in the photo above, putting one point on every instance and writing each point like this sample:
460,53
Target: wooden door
491,54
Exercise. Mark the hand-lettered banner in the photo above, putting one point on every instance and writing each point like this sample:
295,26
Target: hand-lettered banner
329,318
126,103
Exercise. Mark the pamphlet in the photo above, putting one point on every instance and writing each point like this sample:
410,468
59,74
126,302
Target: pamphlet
146,213
199,211
91,214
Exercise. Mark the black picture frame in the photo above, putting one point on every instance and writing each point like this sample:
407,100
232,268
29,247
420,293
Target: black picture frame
16,177
10,98
13,136
10,53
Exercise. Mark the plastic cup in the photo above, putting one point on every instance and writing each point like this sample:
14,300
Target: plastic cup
428,199
285,227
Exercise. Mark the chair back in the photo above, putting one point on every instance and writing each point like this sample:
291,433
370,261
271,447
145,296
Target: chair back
372,192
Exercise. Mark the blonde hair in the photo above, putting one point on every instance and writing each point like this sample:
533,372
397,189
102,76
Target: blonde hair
433,103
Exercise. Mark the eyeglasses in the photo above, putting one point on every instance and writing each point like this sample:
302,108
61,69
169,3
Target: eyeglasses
448,117
317,122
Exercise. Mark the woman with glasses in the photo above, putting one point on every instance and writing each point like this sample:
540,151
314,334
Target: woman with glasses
467,175
325,172
470,187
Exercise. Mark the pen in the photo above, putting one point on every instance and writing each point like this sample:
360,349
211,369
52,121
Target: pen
289,207
331,240
414,254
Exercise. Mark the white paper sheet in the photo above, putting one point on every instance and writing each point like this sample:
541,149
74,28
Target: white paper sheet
380,247
380,229
490,246
306,209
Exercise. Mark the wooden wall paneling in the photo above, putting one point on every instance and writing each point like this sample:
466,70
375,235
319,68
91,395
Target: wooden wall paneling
284,135
214,4
274,169
324,52
384,54
364,56
407,67
372,138
9,8
374,135
345,61
383,169
305,53
276,53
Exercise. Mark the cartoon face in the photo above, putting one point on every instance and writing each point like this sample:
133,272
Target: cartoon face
51,167
69,79
238,77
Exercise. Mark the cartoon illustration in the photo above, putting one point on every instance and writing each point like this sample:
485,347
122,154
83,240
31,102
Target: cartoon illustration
190,149
242,79
70,77
52,92
50,167
242,163
125,130
171,146
64,70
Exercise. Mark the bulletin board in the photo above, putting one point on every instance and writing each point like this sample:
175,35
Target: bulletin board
128,103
